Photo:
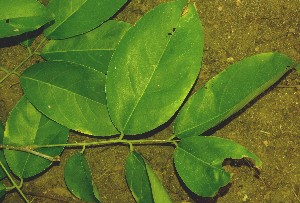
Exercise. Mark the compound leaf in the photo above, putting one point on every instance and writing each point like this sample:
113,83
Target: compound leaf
18,17
70,94
142,181
79,16
154,67
198,161
229,91
93,49
78,179
26,126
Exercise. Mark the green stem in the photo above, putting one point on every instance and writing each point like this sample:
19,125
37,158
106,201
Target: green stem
171,137
30,150
130,147
29,50
31,53
83,149
18,187
105,142
4,70
121,136
9,188
7,75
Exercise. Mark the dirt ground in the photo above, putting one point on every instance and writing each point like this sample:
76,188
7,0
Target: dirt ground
269,126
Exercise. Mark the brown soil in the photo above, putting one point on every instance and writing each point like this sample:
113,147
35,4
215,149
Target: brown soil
269,126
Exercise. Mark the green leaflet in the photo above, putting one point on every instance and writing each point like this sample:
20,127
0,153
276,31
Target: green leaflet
70,94
159,193
143,183
79,16
28,42
20,16
93,49
78,179
154,67
198,161
137,178
2,157
229,91
26,127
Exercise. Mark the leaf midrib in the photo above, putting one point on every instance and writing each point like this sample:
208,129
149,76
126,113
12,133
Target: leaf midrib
62,22
82,96
228,111
149,81
201,160
78,50
34,140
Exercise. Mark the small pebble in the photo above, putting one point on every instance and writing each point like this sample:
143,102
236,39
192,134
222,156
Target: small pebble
266,143
230,59
245,198
292,30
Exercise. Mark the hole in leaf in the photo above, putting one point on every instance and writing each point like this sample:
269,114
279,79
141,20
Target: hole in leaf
173,30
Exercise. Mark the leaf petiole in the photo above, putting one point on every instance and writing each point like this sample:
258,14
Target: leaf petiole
18,187
14,71
31,149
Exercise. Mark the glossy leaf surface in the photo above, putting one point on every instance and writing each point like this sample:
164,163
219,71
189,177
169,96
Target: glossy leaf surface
229,91
79,16
70,94
93,49
26,126
18,17
78,179
198,161
2,157
143,183
154,67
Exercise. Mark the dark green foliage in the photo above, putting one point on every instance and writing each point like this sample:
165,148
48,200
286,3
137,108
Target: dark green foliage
103,77
78,179
28,127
